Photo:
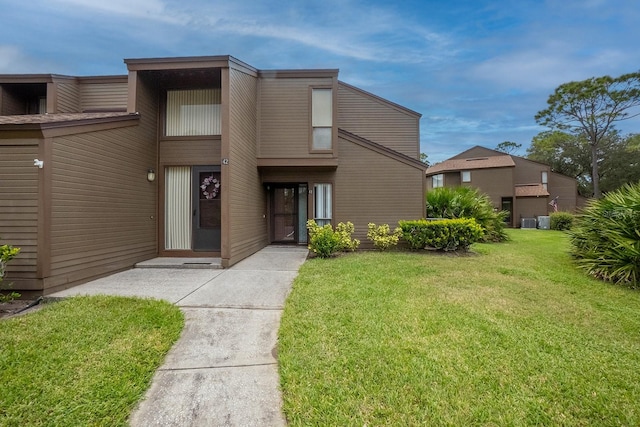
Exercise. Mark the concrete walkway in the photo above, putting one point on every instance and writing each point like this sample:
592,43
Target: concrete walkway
223,370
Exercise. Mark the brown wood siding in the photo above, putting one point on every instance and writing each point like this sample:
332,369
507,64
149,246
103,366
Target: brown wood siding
371,187
11,104
530,207
67,98
103,96
246,196
528,172
102,207
377,121
19,209
566,189
496,183
187,153
283,119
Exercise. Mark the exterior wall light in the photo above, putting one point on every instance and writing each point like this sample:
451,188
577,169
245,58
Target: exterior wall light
151,175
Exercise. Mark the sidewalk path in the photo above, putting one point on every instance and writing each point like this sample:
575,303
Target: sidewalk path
223,370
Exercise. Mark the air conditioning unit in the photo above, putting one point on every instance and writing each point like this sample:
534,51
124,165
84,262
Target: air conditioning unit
544,222
528,223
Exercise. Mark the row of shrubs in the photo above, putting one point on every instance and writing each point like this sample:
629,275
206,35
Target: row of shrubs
444,235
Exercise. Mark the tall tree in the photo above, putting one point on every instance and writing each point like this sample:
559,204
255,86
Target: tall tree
508,147
424,158
592,107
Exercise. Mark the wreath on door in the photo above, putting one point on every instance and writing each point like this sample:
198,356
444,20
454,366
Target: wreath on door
210,187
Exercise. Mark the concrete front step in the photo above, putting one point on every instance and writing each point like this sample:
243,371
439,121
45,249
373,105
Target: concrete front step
169,262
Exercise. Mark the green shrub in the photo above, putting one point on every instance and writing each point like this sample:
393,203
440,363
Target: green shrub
606,238
467,202
344,232
446,234
324,241
7,253
382,237
561,221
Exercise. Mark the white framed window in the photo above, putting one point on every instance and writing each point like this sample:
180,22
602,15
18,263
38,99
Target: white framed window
545,179
465,176
193,112
437,180
322,119
322,204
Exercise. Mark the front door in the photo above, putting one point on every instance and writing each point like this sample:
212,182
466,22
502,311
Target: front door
206,223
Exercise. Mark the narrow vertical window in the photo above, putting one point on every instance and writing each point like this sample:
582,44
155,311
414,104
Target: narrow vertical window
177,214
322,208
466,176
545,178
322,119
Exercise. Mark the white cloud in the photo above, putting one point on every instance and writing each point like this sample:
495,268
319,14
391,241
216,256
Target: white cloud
155,10
14,61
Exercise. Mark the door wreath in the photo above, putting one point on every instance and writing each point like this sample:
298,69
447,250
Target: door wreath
210,187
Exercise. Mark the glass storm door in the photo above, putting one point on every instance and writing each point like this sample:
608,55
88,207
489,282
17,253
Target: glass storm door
206,223
284,208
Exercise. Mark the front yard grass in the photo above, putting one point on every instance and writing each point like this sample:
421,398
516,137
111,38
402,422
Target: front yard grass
514,335
82,361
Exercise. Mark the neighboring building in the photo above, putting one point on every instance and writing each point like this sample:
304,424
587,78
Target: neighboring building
524,188
241,157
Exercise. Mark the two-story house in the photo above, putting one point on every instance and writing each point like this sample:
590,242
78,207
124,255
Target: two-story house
524,188
192,157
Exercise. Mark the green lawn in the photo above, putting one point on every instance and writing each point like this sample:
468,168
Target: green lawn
513,335
83,361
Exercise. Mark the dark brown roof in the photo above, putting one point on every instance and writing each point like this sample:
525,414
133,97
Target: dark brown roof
531,190
453,165
31,119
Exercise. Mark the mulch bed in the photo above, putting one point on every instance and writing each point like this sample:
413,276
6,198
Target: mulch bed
12,308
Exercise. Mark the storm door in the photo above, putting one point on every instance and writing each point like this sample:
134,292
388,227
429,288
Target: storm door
284,214
206,222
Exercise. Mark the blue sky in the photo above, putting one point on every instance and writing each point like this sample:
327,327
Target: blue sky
477,70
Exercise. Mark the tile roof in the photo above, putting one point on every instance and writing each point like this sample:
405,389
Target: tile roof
36,119
531,190
472,163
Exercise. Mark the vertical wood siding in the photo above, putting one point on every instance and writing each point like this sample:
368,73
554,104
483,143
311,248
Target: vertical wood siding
102,207
67,98
375,120
284,116
528,172
566,188
19,208
371,187
12,104
103,96
247,198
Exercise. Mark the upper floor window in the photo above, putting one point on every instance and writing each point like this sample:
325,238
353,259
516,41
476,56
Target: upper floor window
545,179
465,176
193,112
322,119
437,180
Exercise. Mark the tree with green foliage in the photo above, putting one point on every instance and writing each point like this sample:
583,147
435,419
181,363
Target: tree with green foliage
424,158
570,155
508,147
592,107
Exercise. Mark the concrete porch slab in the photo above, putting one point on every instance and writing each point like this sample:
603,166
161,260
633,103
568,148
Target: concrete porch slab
243,289
169,262
171,284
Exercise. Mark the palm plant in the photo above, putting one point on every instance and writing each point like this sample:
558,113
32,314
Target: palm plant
467,202
606,240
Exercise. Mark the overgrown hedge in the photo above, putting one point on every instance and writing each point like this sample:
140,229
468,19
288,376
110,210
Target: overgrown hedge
445,234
